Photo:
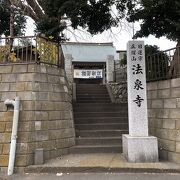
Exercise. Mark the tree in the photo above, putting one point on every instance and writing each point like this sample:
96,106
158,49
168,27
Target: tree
93,15
8,12
157,17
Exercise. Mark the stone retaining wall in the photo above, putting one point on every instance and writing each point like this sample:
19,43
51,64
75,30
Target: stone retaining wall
46,118
164,116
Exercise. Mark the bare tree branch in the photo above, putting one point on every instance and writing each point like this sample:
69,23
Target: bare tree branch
28,11
36,8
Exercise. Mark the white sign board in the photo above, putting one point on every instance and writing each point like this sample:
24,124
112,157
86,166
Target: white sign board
88,73
137,100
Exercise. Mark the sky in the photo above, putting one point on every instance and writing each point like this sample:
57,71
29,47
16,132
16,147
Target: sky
119,36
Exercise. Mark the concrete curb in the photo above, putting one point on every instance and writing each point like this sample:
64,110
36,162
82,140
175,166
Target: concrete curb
35,169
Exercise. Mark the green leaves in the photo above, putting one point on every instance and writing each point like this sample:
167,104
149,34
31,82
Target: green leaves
159,18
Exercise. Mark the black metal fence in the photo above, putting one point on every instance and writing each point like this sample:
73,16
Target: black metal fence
163,65
159,66
30,49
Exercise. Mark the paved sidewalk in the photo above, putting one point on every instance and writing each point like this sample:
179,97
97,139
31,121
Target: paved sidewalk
102,162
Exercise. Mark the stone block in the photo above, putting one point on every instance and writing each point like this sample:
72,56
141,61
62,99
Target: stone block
30,159
1,148
41,135
165,93
174,157
53,79
32,68
21,160
8,95
5,137
175,82
169,103
26,126
38,105
157,103
164,84
151,113
41,115
18,86
4,159
44,96
27,116
25,96
9,77
5,69
53,115
52,70
52,125
38,125
4,86
39,156
162,113
25,137
8,126
58,88
60,106
167,145
149,103
40,77
152,94
45,87
140,149
152,86
22,148
47,106
169,124
62,80
177,123
19,68
28,105
27,77
163,154
178,102
158,123
174,113
6,116
175,92
49,145
6,149
2,127
168,134
178,147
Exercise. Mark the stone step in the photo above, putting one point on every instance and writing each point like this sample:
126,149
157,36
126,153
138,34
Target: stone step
92,96
91,108
96,149
101,133
101,120
99,114
101,126
99,141
94,101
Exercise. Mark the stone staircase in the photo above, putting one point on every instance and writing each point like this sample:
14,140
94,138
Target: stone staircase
99,124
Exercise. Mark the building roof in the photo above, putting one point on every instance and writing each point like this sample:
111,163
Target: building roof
89,52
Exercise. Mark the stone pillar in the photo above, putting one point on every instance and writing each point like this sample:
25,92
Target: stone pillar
138,146
110,68
69,67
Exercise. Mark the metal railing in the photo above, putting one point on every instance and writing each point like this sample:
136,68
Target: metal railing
28,49
163,65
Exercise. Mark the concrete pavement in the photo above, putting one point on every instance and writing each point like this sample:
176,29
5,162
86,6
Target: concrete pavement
101,162
94,176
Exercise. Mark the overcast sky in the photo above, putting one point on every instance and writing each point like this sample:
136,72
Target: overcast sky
119,37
